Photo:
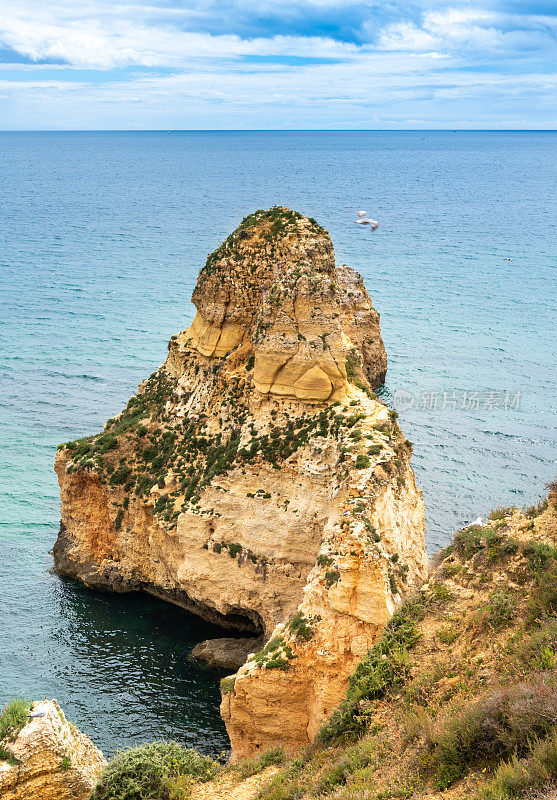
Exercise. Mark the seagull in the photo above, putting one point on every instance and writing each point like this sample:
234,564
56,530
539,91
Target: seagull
364,220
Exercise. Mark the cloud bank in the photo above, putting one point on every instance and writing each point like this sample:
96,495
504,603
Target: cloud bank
302,64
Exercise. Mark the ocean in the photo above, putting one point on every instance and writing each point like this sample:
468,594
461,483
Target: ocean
102,236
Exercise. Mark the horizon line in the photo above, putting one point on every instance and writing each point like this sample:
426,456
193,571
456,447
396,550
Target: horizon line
278,130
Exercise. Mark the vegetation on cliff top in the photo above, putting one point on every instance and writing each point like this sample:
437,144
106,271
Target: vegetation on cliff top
459,697
156,771
274,224
13,717
148,443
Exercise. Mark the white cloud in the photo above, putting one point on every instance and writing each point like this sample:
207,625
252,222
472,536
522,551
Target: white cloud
93,45
431,69
463,29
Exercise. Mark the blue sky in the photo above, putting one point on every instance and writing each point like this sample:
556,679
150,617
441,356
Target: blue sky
280,64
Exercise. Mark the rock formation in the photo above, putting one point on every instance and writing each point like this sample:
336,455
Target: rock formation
228,653
50,759
256,480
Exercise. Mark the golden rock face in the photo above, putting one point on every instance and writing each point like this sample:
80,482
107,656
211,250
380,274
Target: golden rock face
302,314
56,761
255,478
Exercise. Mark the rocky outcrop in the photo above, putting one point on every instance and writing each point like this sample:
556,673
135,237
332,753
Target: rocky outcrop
50,759
255,478
228,653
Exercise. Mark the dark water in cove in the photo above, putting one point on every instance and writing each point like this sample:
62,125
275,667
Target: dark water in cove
101,239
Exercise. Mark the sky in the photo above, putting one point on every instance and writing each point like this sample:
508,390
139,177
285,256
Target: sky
277,64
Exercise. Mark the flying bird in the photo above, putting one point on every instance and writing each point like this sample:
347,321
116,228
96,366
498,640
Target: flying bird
363,219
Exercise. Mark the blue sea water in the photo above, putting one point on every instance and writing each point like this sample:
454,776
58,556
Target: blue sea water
101,239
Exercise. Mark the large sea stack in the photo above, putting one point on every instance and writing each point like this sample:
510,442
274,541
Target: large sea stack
256,480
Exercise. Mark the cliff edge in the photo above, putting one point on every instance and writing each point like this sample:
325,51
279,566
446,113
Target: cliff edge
45,757
256,480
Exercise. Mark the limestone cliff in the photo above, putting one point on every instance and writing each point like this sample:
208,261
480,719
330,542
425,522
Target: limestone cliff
50,759
256,480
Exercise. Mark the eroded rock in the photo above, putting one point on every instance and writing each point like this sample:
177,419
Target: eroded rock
256,477
52,760
227,652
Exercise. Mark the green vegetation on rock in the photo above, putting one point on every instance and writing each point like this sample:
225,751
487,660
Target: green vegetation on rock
156,771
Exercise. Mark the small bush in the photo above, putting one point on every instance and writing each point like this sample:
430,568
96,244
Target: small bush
352,760
543,601
439,594
362,461
156,771
539,555
520,775
501,512
332,576
274,755
531,512
470,540
13,717
492,728
227,685
499,611
302,627
448,634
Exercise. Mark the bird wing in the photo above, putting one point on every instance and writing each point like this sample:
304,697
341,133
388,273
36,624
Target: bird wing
361,214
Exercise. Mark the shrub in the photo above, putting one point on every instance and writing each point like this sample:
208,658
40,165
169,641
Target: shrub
227,685
520,775
352,760
470,540
543,600
501,512
439,594
531,512
492,728
499,611
362,461
332,576
156,771
302,627
539,555
448,634
120,475
13,717
274,755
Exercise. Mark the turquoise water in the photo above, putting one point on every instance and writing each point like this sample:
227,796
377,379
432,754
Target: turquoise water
101,239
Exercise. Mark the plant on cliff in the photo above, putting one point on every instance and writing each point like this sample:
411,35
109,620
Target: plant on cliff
156,771
495,726
303,627
383,669
461,690
12,719
252,766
